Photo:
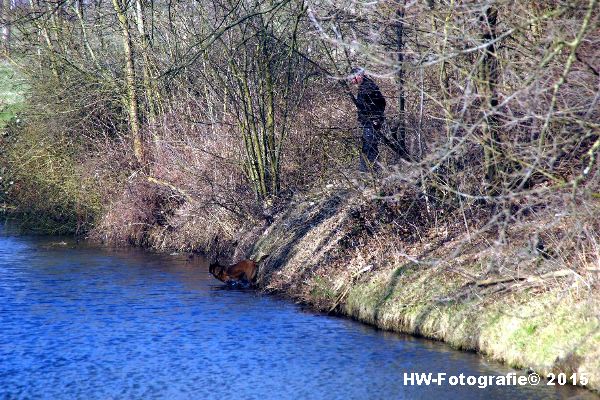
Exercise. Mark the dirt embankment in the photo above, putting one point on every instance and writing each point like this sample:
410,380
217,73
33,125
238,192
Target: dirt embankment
517,303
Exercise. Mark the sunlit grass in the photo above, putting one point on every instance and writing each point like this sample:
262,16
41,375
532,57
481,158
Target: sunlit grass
12,89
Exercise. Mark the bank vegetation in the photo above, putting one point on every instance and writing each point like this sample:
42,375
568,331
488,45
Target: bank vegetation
209,125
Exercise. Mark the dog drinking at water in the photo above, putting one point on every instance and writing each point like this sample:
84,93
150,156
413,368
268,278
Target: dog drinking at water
244,272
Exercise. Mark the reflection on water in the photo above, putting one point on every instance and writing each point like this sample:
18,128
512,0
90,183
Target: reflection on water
82,322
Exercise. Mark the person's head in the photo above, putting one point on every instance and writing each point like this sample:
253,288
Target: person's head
357,75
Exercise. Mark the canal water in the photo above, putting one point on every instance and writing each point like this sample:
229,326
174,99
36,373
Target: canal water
81,322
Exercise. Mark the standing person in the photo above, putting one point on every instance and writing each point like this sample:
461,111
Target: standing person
370,105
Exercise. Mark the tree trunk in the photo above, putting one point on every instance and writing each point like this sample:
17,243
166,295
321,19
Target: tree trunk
42,28
6,26
130,82
399,132
489,79
149,87
78,9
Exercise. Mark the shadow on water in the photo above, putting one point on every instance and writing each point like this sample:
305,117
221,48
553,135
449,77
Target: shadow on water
84,322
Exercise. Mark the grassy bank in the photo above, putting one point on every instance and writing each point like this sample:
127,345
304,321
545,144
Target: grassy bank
12,89
514,305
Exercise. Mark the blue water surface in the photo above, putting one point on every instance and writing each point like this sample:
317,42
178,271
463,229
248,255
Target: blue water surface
79,322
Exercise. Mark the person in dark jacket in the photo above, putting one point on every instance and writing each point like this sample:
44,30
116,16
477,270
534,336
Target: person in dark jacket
370,105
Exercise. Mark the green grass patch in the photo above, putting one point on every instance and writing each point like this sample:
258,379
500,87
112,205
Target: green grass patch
321,290
12,93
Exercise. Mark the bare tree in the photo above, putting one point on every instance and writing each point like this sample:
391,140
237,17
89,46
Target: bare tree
130,81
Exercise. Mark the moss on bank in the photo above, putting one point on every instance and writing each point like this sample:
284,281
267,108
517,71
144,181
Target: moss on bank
548,332
541,319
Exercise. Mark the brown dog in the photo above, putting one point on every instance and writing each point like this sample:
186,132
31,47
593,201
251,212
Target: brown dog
243,272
